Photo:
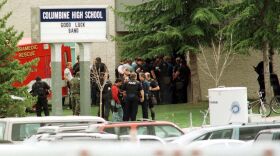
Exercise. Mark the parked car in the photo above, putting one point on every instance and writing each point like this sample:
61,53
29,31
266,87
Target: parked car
217,143
243,132
19,128
163,129
268,135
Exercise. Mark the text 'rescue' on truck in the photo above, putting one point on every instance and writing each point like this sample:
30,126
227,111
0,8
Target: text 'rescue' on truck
42,51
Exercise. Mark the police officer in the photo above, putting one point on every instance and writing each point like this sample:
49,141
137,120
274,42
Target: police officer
153,93
132,90
75,93
76,67
181,75
41,90
106,98
146,85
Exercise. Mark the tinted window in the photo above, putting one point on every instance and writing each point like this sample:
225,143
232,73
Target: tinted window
2,130
221,134
203,137
118,130
272,126
276,136
23,131
249,133
142,130
162,131
264,137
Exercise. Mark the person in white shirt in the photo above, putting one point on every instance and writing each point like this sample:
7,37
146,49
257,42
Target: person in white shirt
67,72
68,77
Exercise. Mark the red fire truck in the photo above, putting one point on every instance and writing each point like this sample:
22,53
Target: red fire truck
42,51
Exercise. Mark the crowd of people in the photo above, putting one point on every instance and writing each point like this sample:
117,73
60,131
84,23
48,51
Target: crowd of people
172,75
142,82
139,82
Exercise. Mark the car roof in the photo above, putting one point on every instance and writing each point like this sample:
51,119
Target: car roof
189,137
46,119
61,129
95,127
274,130
215,128
73,136
87,134
140,123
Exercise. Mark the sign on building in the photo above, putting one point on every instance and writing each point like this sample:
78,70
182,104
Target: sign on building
73,24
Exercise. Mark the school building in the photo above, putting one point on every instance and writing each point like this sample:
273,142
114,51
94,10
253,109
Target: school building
239,73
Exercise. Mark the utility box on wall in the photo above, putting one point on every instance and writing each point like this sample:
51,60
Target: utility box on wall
228,105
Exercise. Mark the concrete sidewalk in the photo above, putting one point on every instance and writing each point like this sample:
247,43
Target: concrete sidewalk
259,118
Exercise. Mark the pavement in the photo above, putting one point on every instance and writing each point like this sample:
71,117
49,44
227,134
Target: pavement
259,118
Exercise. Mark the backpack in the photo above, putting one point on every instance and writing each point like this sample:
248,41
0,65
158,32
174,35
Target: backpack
40,90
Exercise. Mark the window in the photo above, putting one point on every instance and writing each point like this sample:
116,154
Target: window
276,136
2,130
203,137
22,131
264,137
162,131
249,133
118,130
146,130
167,131
221,134
142,130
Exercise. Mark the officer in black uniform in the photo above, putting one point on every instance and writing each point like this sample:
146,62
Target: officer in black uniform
40,89
146,85
132,90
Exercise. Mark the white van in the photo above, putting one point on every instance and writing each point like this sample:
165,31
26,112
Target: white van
19,128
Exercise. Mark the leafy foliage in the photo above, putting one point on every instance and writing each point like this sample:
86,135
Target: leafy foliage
11,71
162,27
253,22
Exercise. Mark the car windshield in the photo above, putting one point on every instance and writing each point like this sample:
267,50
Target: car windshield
189,137
162,131
22,131
265,137
2,130
123,130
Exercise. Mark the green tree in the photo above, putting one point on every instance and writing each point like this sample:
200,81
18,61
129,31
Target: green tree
255,24
11,71
165,27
